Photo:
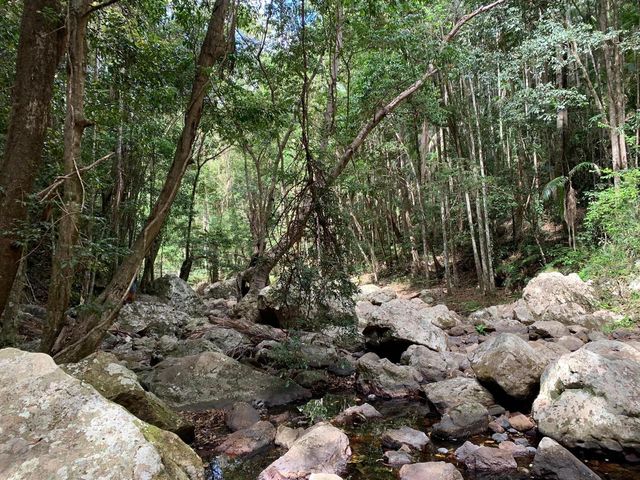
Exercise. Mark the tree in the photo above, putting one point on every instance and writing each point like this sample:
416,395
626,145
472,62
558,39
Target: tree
63,270
93,327
258,274
42,39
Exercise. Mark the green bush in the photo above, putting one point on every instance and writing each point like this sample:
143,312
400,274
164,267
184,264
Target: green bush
613,223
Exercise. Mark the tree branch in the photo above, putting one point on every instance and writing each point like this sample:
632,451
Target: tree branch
100,6
393,104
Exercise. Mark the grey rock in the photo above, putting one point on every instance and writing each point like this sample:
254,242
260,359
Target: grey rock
490,460
404,321
447,394
221,290
547,329
397,458
117,383
55,426
570,342
434,366
313,379
385,379
591,398
152,316
500,437
178,294
228,341
383,295
398,437
465,450
287,436
213,380
358,412
554,462
462,421
442,317
514,449
558,297
510,363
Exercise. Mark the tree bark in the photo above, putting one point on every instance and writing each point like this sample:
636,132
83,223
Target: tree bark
94,326
40,47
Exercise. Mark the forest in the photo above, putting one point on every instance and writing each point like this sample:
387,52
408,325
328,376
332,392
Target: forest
320,239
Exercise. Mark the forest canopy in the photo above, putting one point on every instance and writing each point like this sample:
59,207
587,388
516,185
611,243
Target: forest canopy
459,143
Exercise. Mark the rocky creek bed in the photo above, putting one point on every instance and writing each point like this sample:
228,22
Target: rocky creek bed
545,387
368,461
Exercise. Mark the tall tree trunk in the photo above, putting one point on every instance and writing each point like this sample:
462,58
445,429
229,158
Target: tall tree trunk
94,326
616,98
187,263
63,264
40,47
8,319
491,284
148,273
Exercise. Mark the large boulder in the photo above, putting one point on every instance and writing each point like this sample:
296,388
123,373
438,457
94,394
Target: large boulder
440,316
433,366
223,289
509,363
375,294
381,377
400,323
227,340
554,462
591,398
322,449
554,296
120,385
150,315
211,380
178,294
447,394
56,426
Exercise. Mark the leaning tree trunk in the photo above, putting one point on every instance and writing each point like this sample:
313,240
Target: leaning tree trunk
94,326
63,265
39,50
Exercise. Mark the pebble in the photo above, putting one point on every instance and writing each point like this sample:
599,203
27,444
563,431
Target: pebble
443,451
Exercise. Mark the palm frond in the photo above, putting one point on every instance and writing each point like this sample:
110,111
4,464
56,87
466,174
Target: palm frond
555,185
584,166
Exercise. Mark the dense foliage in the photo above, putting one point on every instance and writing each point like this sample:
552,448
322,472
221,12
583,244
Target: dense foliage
519,152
